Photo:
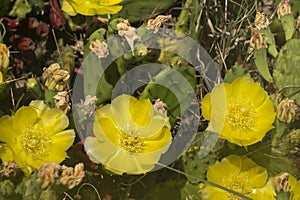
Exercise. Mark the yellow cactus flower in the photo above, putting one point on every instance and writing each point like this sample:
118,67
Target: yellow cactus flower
241,175
35,135
91,7
129,137
241,112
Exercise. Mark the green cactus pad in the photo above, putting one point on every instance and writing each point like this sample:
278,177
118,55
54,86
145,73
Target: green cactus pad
135,10
287,65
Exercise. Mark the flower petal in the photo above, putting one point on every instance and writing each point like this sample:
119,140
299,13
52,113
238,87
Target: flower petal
160,141
54,120
24,117
206,107
63,140
6,133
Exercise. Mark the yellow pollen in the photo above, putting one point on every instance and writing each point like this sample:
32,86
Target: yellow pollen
131,142
238,183
240,113
35,142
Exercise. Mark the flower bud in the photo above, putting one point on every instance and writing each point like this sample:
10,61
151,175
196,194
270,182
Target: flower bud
4,57
7,188
287,110
294,136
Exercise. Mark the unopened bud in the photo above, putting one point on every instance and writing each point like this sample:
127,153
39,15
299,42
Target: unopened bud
7,188
287,110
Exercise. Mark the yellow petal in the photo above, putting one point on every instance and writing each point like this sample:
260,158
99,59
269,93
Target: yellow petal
6,154
206,107
54,120
24,117
140,111
108,2
229,165
68,8
7,134
219,96
89,8
63,140
99,152
106,131
120,109
39,106
158,142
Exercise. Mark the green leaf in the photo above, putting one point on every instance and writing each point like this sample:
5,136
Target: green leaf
261,62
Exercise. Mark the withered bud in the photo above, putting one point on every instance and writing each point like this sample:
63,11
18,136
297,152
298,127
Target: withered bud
9,169
160,107
88,105
129,32
55,78
284,8
4,57
47,174
99,48
72,177
261,21
257,41
62,101
154,24
287,110
281,183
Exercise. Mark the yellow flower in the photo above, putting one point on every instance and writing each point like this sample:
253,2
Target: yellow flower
241,112
91,7
241,175
35,135
129,137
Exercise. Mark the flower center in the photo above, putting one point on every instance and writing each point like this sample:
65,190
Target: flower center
237,183
240,113
131,142
35,143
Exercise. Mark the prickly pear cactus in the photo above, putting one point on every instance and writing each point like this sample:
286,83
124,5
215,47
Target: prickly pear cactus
287,65
196,166
138,10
